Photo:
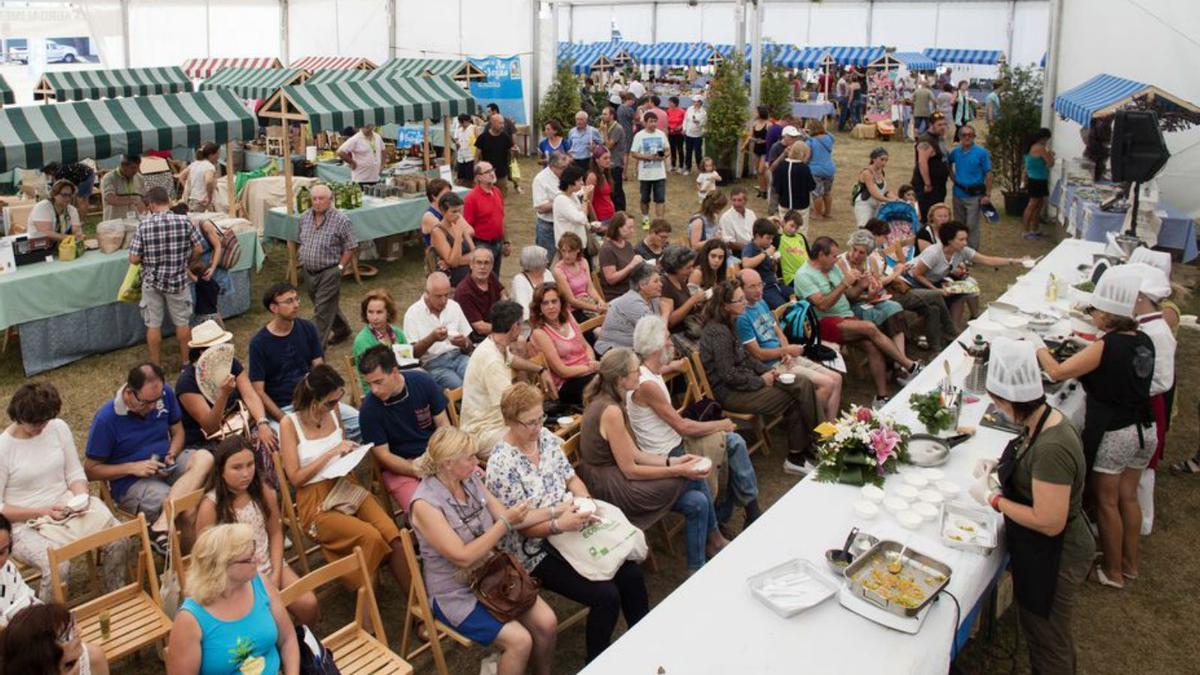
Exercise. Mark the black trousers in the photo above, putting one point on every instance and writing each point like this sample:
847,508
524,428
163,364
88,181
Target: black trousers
676,141
571,391
618,186
695,148
626,592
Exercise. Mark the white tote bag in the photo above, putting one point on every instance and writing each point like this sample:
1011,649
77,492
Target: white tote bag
598,550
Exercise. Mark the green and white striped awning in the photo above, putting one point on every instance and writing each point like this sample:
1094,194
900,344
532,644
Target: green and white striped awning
339,76
82,85
33,136
6,93
331,107
410,67
256,83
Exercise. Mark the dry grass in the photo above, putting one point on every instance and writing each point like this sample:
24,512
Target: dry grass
1146,628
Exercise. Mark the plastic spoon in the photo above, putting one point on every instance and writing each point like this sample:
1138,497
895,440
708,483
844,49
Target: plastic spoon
897,565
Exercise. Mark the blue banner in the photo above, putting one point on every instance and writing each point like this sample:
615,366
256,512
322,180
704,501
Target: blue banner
503,86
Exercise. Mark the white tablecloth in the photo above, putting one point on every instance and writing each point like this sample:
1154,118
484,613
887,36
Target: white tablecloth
711,624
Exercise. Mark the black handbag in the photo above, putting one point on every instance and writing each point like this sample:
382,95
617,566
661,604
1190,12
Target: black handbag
319,663
704,410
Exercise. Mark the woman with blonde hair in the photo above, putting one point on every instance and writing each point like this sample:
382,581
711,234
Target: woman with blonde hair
458,525
232,621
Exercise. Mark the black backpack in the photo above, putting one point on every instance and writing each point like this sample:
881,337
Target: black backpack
800,326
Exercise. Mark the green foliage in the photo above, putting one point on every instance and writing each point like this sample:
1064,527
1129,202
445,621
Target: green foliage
1020,118
776,90
561,101
932,411
728,111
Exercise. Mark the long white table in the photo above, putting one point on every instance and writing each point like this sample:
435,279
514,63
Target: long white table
711,623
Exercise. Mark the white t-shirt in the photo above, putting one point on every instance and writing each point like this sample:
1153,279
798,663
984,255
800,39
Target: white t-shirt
649,143
36,472
939,268
489,375
637,89
694,122
653,434
464,138
735,227
522,290
569,217
43,212
545,189
419,322
198,173
367,154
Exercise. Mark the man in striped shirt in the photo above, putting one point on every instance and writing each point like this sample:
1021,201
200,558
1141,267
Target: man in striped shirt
327,244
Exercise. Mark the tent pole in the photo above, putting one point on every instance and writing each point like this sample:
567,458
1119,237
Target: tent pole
125,32
425,145
289,200
446,142
232,200
1050,80
390,11
284,32
755,54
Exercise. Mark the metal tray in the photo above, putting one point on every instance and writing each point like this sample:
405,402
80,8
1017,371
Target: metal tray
929,575
817,587
986,536
936,457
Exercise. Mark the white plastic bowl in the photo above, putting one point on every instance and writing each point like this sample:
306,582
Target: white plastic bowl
949,488
787,378
585,505
925,510
931,497
907,492
915,479
895,504
909,520
866,509
933,474
78,502
872,493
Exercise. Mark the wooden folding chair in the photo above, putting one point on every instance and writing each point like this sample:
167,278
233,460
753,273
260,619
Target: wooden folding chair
355,650
454,404
353,382
418,608
377,487
592,323
131,617
174,509
288,508
752,420
106,496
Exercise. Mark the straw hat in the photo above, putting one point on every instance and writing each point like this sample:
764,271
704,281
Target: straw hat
1013,371
209,334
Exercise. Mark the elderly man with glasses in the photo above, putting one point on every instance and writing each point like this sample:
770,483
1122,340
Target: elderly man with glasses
971,172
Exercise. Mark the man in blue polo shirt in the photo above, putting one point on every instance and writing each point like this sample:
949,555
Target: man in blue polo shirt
136,444
971,171
397,418
583,138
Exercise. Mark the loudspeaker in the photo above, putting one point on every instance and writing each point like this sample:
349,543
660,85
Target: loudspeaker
1138,149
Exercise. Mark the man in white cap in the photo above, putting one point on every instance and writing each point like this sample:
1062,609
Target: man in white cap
775,155
1038,487
1155,287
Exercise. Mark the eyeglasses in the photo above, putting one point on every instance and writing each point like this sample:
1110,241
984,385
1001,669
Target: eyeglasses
152,401
534,423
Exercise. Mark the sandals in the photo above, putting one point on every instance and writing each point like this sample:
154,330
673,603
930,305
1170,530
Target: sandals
160,542
1103,579
1187,467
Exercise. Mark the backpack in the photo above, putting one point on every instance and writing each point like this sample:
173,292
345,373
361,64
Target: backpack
231,250
799,324
318,662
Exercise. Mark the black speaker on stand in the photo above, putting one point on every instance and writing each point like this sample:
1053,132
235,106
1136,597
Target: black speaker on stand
1138,152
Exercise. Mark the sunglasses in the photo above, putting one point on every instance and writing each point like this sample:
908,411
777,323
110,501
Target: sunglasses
330,405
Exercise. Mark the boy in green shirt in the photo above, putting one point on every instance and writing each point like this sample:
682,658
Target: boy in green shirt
792,247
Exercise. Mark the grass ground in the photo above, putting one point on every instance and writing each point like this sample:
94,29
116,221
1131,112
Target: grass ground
1147,628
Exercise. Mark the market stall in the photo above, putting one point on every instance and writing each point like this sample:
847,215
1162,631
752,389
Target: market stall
691,54
331,107
461,71
60,306
881,89
80,85
858,57
254,84
966,57
916,62
713,623
204,68
312,64
376,218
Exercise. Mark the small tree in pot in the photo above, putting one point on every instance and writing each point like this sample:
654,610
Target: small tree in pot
776,91
1020,117
562,99
728,113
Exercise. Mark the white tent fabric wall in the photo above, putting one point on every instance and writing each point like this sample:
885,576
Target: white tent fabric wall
1161,49
338,28
168,32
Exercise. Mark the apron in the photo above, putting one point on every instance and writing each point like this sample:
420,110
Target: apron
1035,556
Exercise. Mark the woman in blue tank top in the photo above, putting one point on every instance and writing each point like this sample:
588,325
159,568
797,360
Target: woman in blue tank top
1038,160
232,623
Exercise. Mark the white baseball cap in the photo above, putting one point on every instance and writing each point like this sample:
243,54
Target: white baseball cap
1117,291
1013,371
1155,284
791,131
1159,259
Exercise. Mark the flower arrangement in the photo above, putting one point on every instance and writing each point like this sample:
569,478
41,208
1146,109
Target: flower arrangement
860,447
933,411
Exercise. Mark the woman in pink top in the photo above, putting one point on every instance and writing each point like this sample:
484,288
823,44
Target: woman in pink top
574,279
555,334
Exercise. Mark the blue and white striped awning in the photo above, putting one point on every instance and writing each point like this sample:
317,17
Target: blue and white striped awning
678,54
853,56
916,61
982,57
1100,94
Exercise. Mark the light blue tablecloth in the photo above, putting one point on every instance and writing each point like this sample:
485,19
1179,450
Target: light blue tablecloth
812,110
1177,231
377,218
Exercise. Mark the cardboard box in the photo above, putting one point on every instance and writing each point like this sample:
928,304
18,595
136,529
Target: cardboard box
390,247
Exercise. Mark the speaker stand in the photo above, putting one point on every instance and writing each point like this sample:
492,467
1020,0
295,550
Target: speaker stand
1134,215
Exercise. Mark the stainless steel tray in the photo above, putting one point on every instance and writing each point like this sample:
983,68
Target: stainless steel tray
984,538
928,576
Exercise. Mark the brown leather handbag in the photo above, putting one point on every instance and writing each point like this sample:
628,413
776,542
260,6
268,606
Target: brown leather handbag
504,587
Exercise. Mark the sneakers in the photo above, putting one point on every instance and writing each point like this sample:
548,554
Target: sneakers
906,376
790,467
879,401
922,342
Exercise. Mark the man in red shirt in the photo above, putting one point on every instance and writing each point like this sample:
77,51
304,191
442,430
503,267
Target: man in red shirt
484,210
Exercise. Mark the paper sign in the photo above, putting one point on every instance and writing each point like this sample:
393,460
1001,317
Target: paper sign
445,174
342,465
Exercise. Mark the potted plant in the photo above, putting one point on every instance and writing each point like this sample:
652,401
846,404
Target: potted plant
776,91
562,99
728,112
1020,117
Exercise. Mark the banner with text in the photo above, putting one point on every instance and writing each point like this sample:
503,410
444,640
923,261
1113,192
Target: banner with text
503,86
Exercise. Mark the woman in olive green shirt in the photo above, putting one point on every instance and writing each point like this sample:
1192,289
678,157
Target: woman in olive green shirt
378,312
1038,486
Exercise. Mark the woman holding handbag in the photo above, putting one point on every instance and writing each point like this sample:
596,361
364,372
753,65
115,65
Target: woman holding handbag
337,511
528,465
207,405
458,525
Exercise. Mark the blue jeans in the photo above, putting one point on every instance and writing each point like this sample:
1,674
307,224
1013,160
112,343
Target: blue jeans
843,105
743,482
543,235
350,426
697,508
448,369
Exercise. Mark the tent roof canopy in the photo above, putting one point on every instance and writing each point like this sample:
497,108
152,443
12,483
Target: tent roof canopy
79,85
204,68
335,106
916,61
887,61
984,57
33,136
254,83
314,63
6,92
462,70
852,56
1104,94
680,54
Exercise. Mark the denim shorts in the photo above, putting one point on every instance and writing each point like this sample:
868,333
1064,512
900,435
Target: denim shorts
658,187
